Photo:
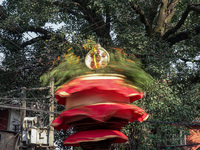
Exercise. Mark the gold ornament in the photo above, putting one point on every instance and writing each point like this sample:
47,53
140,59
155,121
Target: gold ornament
97,58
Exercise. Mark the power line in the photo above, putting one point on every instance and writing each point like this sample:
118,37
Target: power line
175,146
49,61
158,122
12,107
75,35
20,28
174,123
12,43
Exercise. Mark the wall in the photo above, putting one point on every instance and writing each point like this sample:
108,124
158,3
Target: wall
14,120
8,140
9,119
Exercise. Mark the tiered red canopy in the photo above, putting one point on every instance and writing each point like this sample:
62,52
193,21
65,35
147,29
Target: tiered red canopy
97,106
105,83
100,112
95,135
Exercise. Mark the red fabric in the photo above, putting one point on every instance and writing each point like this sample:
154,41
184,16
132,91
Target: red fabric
59,124
94,136
100,112
94,96
82,84
89,124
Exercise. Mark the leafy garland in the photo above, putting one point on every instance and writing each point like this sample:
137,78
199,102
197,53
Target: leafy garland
120,63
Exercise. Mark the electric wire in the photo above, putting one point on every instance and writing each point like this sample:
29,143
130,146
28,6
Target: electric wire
84,33
29,109
158,122
70,37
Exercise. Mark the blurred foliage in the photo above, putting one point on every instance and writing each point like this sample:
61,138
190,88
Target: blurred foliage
72,66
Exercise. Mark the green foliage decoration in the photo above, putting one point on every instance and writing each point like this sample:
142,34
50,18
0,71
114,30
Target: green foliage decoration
120,63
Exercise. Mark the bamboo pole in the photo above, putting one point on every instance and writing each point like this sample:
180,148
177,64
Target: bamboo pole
51,116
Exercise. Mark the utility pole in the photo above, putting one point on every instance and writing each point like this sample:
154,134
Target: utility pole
22,112
51,115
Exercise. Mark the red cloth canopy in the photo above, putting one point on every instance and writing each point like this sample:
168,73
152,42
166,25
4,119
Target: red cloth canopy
100,112
100,104
94,136
101,83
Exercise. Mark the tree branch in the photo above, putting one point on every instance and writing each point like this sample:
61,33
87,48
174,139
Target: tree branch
169,17
159,29
33,41
194,8
154,11
185,60
86,15
183,36
195,79
2,15
181,21
171,11
38,30
172,4
16,29
142,16
92,16
66,7
96,19
4,43
108,20
85,12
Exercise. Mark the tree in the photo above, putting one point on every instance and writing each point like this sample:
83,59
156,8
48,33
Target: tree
164,35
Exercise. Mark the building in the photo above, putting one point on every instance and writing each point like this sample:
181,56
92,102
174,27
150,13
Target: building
9,129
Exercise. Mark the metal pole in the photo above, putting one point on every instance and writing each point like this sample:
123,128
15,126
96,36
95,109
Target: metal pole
22,113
